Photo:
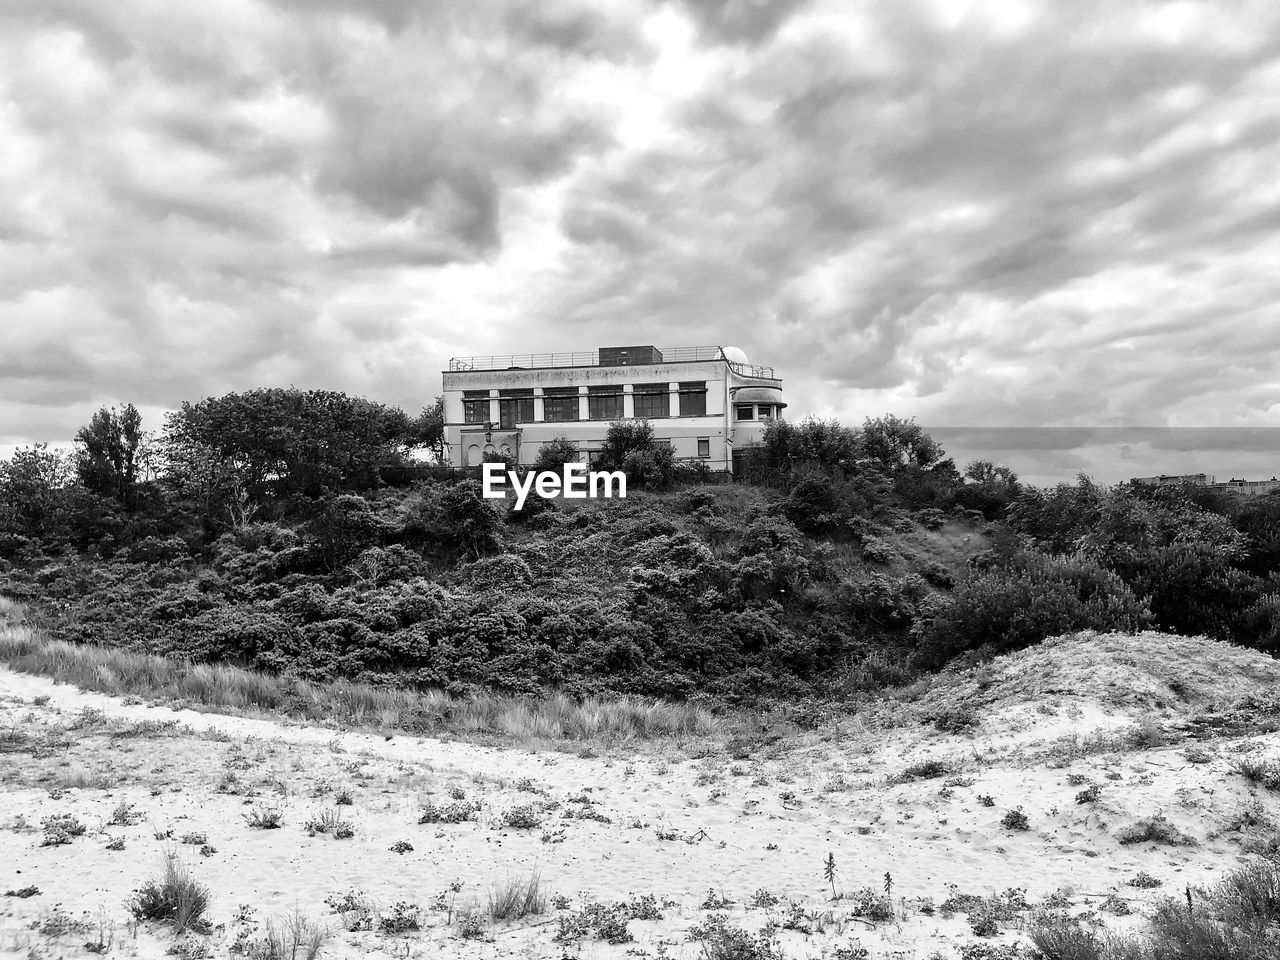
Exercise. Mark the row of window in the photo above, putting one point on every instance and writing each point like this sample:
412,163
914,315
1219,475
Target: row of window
560,404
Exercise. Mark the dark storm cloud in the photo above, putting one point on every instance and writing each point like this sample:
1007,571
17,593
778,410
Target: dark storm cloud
984,214
741,21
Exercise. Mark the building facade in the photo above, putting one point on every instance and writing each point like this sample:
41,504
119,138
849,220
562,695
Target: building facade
706,402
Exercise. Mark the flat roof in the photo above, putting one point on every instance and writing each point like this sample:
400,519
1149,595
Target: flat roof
591,358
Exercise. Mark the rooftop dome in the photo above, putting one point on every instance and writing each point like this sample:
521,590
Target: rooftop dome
734,355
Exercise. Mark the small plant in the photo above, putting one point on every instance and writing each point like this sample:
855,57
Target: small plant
922,770
343,798
1089,795
60,828
353,909
763,899
829,872
526,816
176,898
720,941
1015,820
1155,829
195,839
401,918
560,901
986,800
471,926
23,893
1144,881
124,816
1115,905
459,811
1264,773
1077,779
401,847
265,818
715,901
330,822
115,843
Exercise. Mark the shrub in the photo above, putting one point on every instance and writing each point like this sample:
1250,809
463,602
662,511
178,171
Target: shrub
526,816
1015,820
1010,607
330,822
457,811
1155,829
555,454
719,940
265,818
401,918
629,446
1143,881
1265,773
175,898
60,828
1061,941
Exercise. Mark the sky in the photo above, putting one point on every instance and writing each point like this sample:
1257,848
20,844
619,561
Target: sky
1035,227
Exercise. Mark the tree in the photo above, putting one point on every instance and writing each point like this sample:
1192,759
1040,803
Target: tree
33,485
629,446
426,430
282,443
810,442
988,488
895,443
555,454
109,453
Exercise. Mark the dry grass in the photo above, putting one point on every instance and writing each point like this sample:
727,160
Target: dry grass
1239,919
175,898
515,899
290,937
225,688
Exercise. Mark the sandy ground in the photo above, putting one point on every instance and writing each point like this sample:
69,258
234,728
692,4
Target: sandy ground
610,827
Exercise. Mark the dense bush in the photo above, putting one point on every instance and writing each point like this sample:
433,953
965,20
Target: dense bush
824,582
1009,607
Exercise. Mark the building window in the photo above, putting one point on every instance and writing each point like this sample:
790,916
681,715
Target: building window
475,406
604,403
560,403
693,399
704,446
766,411
746,411
652,400
515,406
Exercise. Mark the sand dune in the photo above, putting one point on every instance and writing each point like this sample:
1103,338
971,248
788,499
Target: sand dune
889,795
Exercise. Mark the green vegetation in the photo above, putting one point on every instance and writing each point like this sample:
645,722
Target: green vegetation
286,534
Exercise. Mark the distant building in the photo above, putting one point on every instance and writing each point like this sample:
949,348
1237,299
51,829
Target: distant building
1248,488
706,402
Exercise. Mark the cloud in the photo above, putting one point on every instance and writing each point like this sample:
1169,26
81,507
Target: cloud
1001,213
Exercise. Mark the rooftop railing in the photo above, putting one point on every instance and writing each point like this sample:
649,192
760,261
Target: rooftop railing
591,358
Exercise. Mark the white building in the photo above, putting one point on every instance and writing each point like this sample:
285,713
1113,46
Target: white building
707,402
